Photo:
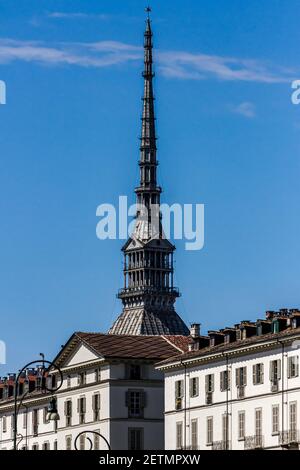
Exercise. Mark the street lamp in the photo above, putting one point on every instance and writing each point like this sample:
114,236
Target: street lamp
52,414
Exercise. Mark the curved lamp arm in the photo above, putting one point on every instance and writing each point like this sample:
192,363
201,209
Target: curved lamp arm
51,390
90,441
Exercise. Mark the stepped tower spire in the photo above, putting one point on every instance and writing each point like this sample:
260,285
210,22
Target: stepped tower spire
148,295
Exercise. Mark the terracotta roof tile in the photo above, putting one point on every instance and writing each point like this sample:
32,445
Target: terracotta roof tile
227,347
129,346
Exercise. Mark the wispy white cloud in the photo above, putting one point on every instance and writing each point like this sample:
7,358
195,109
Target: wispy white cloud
173,64
76,15
246,109
200,66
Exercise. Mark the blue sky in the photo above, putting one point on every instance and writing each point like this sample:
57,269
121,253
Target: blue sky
228,138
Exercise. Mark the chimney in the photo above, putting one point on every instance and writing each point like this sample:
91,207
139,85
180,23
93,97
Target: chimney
195,330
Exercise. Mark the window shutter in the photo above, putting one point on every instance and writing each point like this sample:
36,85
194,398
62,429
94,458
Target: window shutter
297,366
70,408
254,374
197,386
245,375
228,379
127,399
262,373
83,404
279,368
66,408
78,405
191,387
212,383
143,399
206,383
271,368
289,367
237,377
94,402
222,381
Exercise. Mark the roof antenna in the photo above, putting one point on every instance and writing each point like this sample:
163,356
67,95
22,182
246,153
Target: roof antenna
148,10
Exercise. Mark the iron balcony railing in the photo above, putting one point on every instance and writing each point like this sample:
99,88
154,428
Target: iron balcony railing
254,442
289,437
148,290
147,264
221,445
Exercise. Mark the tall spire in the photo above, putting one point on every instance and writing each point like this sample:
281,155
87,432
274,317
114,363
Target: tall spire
148,137
148,295
148,192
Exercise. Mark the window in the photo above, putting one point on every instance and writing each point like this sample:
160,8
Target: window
81,378
82,442
194,432
225,427
275,371
46,446
4,424
97,375
293,367
81,408
55,445
96,406
179,393
241,425
275,419
209,383
135,439
25,418
179,436
68,412
53,381
241,377
194,387
209,431
35,447
134,371
209,388
135,401
69,442
258,374
97,441
45,412
258,422
35,422
293,421
225,380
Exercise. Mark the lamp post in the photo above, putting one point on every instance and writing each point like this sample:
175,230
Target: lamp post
52,414
90,441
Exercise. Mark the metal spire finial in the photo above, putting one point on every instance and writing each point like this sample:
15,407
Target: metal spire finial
148,10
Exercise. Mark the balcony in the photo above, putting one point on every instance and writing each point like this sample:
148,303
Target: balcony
254,442
221,445
241,392
289,438
209,398
274,386
141,290
178,404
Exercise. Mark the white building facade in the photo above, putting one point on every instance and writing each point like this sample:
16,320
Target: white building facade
110,386
237,389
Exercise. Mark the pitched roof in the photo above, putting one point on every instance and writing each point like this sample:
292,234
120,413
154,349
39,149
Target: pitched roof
133,346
